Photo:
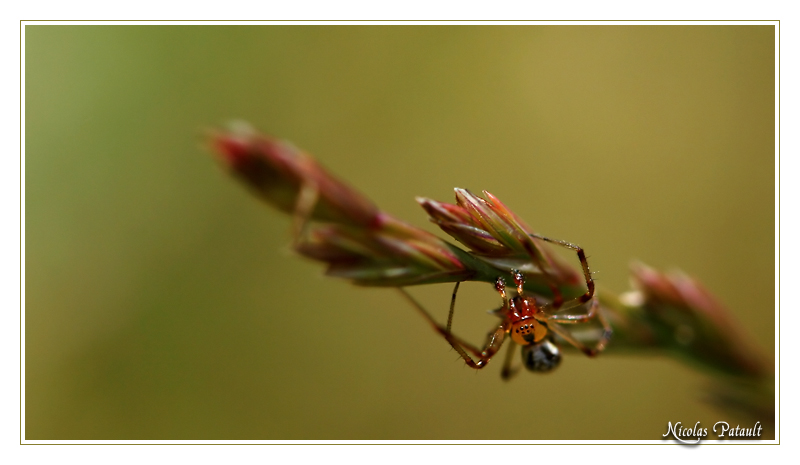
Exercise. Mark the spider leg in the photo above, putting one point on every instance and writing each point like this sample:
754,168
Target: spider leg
594,310
508,371
500,287
552,309
493,343
586,273
553,322
558,298
436,326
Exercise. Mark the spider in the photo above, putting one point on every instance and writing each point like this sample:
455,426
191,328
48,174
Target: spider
530,323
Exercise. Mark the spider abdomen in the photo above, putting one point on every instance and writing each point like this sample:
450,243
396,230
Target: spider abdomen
541,357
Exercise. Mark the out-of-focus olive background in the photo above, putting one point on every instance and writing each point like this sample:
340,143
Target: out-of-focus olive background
162,301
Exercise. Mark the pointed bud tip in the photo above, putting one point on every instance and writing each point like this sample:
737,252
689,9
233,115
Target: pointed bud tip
461,192
233,151
233,143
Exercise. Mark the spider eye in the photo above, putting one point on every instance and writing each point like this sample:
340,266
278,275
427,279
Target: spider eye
541,357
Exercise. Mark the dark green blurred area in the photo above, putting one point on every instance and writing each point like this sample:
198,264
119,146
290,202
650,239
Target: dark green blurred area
162,301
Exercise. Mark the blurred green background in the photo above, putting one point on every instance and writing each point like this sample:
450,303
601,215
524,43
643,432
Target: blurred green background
162,301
